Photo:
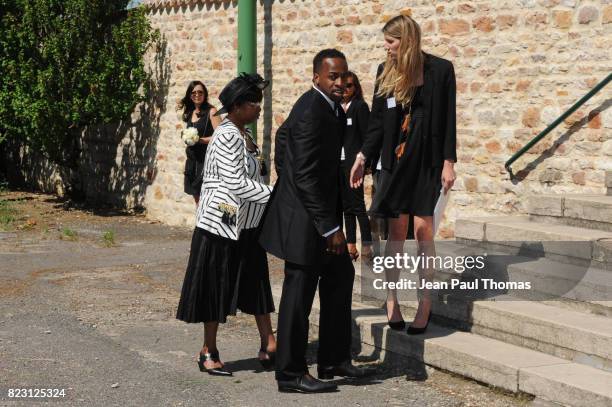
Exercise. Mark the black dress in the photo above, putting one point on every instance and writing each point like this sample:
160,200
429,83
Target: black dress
194,166
353,203
412,186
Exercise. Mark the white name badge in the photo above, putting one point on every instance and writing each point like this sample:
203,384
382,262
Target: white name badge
390,103
349,121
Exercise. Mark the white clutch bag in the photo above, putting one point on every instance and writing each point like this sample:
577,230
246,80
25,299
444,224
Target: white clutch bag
439,209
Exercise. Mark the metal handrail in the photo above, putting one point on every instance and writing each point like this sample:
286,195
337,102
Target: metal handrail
554,124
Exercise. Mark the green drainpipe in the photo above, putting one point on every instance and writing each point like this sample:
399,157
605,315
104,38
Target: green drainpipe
247,41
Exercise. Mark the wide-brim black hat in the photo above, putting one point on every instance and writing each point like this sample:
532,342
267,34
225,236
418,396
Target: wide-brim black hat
239,86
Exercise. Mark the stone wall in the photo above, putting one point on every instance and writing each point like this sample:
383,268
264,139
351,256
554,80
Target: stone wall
519,64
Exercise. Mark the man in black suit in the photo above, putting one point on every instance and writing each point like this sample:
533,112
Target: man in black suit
302,226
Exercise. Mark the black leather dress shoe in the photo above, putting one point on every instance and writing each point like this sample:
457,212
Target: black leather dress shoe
305,384
345,369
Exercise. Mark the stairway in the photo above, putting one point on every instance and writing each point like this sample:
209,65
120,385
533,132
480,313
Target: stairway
553,341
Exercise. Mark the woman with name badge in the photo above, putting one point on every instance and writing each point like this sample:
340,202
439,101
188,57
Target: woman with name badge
413,120
357,113
227,267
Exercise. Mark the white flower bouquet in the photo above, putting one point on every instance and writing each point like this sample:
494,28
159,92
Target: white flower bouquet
190,136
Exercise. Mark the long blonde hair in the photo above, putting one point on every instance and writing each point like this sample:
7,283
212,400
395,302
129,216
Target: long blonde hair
400,77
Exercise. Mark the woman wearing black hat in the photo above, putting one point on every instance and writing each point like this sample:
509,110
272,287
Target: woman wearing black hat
198,113
227,268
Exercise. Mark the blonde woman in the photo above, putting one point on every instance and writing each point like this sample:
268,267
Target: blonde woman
413,125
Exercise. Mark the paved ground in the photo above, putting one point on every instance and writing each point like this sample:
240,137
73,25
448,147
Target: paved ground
96,317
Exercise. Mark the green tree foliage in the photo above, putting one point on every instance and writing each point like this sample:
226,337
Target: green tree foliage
68,64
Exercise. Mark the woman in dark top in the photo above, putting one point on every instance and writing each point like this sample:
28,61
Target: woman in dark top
413,120
357,113
198,113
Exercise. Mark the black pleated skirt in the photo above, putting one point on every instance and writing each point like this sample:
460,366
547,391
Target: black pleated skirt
254,290
222,276
411,187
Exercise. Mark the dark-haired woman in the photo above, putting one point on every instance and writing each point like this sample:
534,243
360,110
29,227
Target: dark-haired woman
198,113
413,119
357,114
227,267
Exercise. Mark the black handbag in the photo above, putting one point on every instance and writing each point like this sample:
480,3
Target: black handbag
263,167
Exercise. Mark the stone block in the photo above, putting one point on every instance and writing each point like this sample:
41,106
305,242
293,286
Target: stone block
588,14
606,148
466,8
531,117
454,26
484,24
562,18
470,229
549,205
595,208
569,384
607,15
506,21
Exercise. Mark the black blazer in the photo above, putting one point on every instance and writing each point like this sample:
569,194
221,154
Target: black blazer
306,200
439,95
357,115
284,130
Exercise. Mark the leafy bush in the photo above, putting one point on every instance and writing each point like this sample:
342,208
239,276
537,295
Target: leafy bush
67,64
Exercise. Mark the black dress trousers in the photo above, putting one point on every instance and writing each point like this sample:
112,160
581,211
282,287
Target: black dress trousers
335,280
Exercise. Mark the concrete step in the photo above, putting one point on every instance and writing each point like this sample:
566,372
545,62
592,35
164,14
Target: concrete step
562,332
486,360
586,289
580,288
586,211
520,235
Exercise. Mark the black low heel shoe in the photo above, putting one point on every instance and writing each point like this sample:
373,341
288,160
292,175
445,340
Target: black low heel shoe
217,371
395,325
267,363
417,331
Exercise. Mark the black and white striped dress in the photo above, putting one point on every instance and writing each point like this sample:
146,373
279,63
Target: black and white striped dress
227,268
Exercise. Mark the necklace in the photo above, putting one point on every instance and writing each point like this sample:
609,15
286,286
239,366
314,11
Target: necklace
251,146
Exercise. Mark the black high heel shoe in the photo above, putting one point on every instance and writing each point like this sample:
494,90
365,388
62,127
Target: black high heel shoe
395,325
417,331
216,371
267,363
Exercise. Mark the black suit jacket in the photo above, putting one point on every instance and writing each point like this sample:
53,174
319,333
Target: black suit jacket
306,203
283,132
439,95
357,115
